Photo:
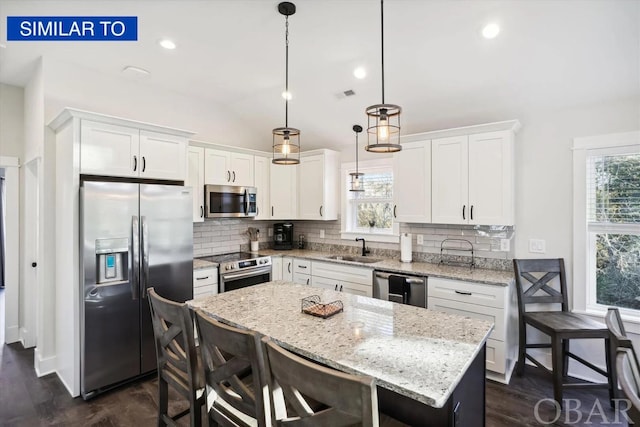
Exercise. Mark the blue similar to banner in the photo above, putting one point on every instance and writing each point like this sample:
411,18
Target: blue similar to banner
72,28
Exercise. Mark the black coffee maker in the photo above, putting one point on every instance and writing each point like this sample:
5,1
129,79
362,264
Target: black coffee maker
283,235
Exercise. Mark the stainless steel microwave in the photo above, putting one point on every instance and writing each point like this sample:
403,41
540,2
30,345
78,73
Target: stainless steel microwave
223,201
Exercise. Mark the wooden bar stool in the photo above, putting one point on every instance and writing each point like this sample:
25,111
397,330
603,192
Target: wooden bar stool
533,277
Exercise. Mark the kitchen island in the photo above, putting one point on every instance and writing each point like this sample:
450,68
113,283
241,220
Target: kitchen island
428,365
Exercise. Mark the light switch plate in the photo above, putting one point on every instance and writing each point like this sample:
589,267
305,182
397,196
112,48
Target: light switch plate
537,246
505,245
322,234
420,239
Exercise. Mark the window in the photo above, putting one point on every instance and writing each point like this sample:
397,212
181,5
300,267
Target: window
607,224
369,212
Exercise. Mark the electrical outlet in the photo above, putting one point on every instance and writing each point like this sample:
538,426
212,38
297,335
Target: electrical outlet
505,245
537,246
420,239
322,234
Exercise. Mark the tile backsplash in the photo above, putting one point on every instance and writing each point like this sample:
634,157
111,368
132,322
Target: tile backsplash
225,235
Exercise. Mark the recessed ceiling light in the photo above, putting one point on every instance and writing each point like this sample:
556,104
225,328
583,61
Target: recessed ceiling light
167,44
360,73
135,71
287,95
490,31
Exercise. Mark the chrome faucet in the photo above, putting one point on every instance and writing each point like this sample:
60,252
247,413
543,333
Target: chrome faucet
365,251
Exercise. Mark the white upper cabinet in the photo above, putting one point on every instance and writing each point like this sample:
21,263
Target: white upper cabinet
317,186
163,156
472,179
195,179
126,151
412,183
284,191
228,168
262,184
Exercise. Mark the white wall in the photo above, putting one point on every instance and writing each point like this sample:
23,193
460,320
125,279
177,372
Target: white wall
11,120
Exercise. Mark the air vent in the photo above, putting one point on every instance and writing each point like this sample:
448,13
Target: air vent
349,92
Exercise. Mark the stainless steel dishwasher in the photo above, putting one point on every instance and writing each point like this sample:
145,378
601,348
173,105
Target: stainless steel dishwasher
414,294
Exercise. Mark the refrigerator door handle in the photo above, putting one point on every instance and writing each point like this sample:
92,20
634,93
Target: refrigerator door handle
135,255
145,255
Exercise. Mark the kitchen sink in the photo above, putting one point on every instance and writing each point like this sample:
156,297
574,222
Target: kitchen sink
362,259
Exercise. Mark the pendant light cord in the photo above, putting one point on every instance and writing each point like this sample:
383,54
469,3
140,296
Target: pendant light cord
356,154
286,74
382,42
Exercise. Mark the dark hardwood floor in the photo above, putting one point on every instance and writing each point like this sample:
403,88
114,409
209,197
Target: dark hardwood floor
26,400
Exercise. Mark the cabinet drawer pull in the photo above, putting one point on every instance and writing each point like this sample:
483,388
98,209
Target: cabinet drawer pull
336,288
201,212
307,281
302,266
340,288
463,293
202,278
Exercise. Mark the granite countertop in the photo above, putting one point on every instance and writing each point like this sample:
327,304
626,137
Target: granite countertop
418,353
480,275
199,264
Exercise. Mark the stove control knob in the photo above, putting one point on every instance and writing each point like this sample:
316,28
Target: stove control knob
228,267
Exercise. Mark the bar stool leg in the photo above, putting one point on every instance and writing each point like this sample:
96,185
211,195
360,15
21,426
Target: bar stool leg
556,360
522,349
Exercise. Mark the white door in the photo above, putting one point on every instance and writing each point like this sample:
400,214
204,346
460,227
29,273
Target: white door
195,180
242,169
30,280
261,171
10,202
490,194
109,150
283,191
217,167
163,156
412,182
311,187
449,180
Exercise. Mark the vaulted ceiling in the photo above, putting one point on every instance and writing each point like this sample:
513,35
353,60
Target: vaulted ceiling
230,57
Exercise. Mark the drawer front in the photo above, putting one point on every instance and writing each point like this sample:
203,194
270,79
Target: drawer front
301,279
490,314
496,361
472,293
341,272
204,291
342,286
205,277
301,266
323,282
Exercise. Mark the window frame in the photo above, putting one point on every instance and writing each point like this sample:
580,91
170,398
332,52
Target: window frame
584,234
349,234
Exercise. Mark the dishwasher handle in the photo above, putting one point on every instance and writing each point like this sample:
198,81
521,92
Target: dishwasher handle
412,280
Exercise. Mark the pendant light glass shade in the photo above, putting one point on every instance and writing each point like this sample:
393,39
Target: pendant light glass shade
356,177
383,128
286,140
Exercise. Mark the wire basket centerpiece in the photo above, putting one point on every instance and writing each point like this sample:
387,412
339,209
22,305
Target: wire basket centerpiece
312,305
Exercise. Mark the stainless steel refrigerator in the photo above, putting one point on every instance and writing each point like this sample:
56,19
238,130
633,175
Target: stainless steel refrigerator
133,236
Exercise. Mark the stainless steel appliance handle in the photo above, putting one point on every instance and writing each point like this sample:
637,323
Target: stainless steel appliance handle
410,280
135,259
144,236
257,271
246,198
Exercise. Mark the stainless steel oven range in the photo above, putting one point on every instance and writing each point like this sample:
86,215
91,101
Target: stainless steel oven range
241,269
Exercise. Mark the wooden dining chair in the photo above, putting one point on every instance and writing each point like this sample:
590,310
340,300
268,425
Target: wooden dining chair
534,286
628,375
176,353
343,399
233,370
616,327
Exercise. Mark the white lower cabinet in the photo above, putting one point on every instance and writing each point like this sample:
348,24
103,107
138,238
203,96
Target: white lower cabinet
287,269
205,282
494,304
342,278
276,268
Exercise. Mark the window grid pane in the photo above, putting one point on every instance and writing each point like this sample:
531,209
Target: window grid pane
613,188
618,270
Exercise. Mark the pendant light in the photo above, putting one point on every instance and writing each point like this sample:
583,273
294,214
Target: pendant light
356,177
383,131
286,140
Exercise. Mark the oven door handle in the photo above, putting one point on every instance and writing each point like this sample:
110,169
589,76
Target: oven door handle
410,280
227,277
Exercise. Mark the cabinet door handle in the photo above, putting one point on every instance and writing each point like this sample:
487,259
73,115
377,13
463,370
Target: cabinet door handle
394,211
228,176
144,163
257,210
234,176
336,287
307,281
463,209
201,212
320,210
340,288
271,210
463,293
135,163
471,212
289,267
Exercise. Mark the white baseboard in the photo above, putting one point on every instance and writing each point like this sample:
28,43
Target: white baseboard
64,383
27,339
11,334
44,365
